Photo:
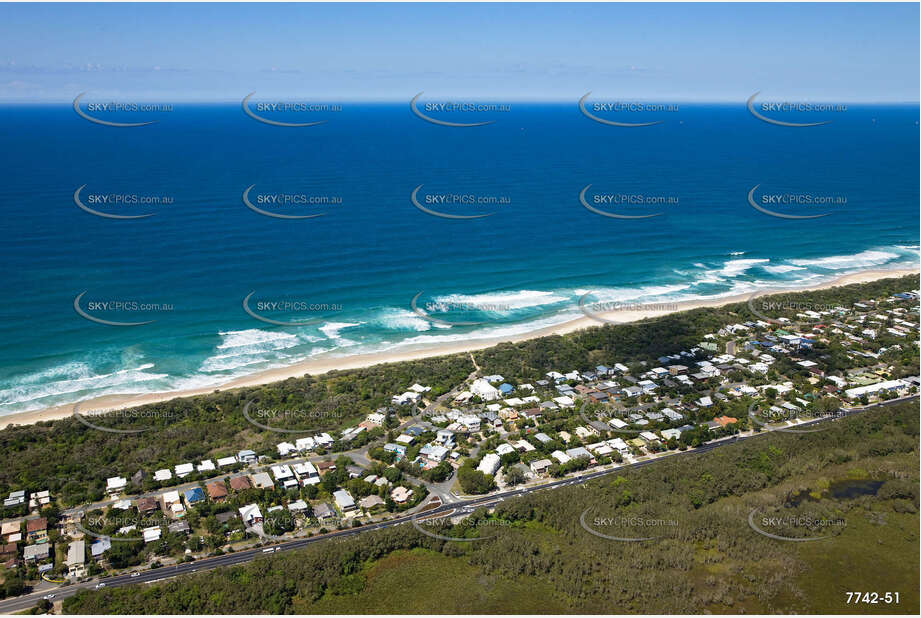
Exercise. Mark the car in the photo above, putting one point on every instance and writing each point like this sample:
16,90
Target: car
48,597
100,585
135,574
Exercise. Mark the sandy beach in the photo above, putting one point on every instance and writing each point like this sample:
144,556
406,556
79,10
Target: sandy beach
320,365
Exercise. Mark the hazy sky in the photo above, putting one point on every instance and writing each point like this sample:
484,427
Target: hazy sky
667,52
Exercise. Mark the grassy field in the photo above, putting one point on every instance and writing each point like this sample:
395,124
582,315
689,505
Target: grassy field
421,581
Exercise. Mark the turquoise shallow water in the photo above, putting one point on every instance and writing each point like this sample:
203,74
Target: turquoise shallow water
352,273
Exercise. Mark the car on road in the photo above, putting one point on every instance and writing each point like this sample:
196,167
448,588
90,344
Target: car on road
100,585
135,574
48,597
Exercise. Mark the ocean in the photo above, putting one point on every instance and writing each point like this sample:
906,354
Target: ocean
344,282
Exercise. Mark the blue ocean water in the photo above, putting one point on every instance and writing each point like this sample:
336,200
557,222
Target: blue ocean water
363,261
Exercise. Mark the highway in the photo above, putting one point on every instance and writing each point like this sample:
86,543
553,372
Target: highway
29,600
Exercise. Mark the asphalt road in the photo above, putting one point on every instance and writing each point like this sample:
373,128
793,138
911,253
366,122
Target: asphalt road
29,600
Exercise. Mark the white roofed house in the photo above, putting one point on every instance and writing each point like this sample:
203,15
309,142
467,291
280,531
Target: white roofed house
344,500
224,462
285,449
560,456
183,470
206,466
305,444
484,390
116,485
324,440
284,476
307,473
163,475
251,515
489,464
173,503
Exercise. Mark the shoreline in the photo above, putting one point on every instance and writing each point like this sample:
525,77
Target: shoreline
323,365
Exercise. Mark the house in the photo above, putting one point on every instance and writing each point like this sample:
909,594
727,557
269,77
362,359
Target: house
325,466
251,515
875,389
205,466
41,498
306,473
225,462
578,452
262,480
560,456
173,503
37,530
434,453
33,553
370,502
217,491
668,434
179,527
246,456
76,559
10,528
540,466
145,506
116,485
184,470
324,512
400,495
484,390
8,551
470,421
489,464
285,449
194,496
283,473
298,506
344,500
722,421
163,475
151,534
240,483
